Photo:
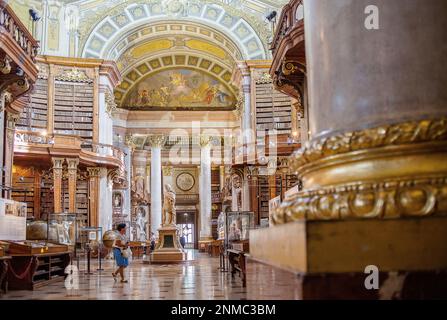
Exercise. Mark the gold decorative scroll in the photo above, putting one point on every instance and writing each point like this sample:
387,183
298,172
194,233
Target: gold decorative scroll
387,199
383,136
392,171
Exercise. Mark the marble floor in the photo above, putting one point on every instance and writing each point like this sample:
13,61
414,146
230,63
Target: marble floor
197,279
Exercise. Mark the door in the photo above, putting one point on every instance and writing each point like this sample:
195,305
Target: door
187,226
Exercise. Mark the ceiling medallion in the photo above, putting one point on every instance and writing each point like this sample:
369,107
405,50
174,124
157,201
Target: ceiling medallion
176,8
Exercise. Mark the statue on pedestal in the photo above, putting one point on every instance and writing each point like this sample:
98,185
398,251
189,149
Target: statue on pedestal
168,211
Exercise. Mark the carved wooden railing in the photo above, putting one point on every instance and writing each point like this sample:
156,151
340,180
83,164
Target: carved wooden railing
292,15
38,138
10,23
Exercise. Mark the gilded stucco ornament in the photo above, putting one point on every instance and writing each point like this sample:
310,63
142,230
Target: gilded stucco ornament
391,171
111,105
74,75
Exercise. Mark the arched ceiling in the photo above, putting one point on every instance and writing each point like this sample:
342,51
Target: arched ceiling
170,35
101,30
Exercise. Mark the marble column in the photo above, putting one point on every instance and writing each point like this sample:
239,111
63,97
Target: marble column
247,116
105,201
205,188
375,171
245,192
57,183
93,195
156,142
72,177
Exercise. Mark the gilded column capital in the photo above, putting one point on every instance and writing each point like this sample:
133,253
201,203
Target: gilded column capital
58,163
156,140
205,141
94,172
73,163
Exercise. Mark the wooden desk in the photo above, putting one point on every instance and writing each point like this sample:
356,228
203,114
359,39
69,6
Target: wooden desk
4,266
238,264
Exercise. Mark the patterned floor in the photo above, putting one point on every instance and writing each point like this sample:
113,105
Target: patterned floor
198,279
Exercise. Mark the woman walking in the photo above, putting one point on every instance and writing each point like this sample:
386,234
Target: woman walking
119,247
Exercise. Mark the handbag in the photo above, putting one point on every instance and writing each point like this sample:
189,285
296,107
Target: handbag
126,253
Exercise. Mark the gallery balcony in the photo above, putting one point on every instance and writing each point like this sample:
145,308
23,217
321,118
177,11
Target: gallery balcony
18,51
288,68
30,144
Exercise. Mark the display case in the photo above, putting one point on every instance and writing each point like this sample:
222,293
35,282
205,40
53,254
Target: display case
234,227
89,237
28,247
63,228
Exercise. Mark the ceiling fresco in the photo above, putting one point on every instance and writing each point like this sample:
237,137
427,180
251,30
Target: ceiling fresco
180,89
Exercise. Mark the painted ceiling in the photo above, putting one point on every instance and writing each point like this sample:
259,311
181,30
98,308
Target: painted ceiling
199,41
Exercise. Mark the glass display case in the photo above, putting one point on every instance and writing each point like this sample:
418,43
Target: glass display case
89,237
234,226
63,228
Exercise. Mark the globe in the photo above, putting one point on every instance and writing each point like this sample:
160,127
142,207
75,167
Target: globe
108,238
36,230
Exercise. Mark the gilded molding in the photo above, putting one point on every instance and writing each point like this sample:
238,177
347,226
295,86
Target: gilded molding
74,75
111,105
167,171
383,136
418,190
383,200
264,78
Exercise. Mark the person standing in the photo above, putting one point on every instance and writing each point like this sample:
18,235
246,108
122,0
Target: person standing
120,245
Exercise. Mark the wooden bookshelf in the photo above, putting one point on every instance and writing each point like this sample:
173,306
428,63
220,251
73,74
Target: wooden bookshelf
46,197
23,191
263,197
73,109
35,114
216,207
82,202
273,111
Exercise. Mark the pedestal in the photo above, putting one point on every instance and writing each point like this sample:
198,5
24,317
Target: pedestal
169,249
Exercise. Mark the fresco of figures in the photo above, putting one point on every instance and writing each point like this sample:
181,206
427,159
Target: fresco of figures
180,88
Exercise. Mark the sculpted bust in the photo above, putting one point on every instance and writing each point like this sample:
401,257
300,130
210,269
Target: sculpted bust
168,211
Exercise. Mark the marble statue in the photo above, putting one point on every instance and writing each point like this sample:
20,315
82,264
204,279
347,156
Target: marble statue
141,227
168,211
237,189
